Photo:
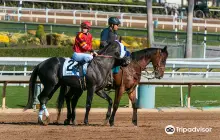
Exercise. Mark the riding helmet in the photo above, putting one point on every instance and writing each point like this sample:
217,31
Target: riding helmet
114,21
86,25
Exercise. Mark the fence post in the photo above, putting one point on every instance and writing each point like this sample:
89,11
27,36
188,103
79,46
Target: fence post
55,20
96,18
51,29
189,91
19,15
205,32
80,15
47,15
130,21
176,38
74,16
61,6
3,95
122,19
181,96
25,70
107,20
25,28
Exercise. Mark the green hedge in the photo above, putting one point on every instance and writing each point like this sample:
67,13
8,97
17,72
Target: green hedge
36,52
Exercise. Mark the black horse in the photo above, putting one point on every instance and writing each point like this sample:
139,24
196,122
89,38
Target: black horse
49,72
72,95
153,55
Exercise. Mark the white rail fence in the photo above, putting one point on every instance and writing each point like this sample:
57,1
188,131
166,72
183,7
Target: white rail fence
74,16
172,65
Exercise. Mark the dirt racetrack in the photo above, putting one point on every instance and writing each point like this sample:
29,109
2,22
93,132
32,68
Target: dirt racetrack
151,125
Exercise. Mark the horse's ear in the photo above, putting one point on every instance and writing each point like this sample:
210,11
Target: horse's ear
158,51
165,49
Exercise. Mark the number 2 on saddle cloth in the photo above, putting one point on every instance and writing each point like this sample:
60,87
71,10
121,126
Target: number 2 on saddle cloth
74,68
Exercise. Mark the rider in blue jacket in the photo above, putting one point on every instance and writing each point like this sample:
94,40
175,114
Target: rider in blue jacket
110,34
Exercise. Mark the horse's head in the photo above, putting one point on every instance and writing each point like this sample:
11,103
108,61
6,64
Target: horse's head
158,60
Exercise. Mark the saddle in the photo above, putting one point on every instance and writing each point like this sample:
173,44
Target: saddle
74,68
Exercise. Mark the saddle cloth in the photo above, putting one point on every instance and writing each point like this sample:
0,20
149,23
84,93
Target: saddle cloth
71,68
122,48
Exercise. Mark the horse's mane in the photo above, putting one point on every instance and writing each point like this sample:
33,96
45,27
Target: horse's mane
137,55
112,49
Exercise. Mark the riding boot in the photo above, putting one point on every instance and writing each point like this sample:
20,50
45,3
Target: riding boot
81,74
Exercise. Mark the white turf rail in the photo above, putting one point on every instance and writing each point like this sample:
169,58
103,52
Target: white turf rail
165,81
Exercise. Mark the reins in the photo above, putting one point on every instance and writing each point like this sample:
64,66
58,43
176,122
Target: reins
106,56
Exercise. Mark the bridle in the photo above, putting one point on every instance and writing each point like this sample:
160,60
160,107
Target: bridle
157,69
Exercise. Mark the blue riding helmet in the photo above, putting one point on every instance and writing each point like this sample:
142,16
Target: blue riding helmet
114,21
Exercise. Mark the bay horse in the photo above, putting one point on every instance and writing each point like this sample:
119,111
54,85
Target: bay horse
49,72
128,77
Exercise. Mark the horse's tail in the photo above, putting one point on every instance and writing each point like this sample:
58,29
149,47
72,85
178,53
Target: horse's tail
32,82
61,99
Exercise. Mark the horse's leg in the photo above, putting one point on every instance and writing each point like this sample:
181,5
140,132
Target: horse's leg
43,98
90,92
68,105
54,90
105,96
74,101
132,97
118,93
60,103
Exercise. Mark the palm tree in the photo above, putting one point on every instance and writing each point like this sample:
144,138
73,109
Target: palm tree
149,23
189,29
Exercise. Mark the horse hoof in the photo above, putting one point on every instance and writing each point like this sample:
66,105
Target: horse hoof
74,123
39,121
46,121
86,123
105,122
55,122
135,123
111,122
67,122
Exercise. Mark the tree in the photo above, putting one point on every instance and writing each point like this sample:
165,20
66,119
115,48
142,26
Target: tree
40,33
149,23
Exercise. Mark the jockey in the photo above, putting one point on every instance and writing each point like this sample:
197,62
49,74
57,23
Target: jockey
83,44
110,34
